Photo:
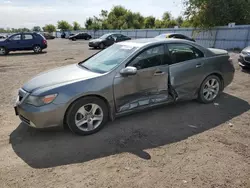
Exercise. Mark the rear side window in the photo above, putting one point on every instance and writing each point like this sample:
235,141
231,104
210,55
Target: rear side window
39,36
27,37
183,52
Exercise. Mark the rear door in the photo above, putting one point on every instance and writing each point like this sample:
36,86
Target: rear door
187,70
149,86
27,41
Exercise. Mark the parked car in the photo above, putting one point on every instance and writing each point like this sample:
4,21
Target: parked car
48,36
23,41
126,77
2,37
244,58
77,36
175,35
107,40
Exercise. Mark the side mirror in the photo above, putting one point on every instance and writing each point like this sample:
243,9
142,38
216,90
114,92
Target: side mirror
128,71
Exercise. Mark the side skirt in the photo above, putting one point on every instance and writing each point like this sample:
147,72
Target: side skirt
146,107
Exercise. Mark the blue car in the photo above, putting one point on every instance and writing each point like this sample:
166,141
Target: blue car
23,41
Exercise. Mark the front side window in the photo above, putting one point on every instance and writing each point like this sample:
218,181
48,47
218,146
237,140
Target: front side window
183,52
109,58
15,37
27,37
149,58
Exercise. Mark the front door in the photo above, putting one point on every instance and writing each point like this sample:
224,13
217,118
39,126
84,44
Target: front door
109,41
187,70
149,86
14,42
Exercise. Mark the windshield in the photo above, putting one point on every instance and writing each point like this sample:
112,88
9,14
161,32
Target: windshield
109,58
104,36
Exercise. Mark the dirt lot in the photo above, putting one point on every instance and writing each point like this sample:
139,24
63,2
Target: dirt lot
182,145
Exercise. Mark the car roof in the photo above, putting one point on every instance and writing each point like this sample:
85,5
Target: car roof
151,41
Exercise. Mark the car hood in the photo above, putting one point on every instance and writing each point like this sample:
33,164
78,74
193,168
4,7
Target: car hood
247,49
97,40
58,76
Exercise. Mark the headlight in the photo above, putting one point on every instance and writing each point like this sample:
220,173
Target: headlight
245,53
40,101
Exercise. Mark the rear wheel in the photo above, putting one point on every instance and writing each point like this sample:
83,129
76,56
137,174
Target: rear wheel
210,89
87,115
3,51
37,49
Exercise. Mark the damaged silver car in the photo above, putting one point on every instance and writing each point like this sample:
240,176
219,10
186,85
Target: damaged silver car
126,77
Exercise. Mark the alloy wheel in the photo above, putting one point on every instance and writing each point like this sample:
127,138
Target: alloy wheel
211,89
37,49
89,117
2,51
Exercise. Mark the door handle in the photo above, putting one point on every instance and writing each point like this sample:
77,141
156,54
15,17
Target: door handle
198,65
158,73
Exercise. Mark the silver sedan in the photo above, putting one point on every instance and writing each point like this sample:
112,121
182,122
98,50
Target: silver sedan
126,77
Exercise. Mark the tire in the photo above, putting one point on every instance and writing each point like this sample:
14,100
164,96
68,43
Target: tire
80,113
3,51
37,49
210,89
73,39
101,46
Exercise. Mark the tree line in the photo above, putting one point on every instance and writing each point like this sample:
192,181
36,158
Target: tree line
198,13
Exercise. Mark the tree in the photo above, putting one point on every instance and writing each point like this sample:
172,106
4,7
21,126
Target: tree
37,29
210,13
49,28
179,20
167,16
88,23
64,25
76,26
158,23
149,22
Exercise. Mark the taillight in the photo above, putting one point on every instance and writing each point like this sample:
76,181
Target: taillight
44,41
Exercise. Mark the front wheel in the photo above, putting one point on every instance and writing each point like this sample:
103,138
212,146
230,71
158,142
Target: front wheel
101,46
37,49
210,89
87,115
3,51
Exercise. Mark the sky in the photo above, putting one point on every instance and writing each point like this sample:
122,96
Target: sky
29,13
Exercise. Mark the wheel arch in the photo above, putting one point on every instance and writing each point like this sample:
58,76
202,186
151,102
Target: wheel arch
219,75
110,109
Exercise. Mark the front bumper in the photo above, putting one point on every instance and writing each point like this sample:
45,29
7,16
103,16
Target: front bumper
51,115
243,61
93,44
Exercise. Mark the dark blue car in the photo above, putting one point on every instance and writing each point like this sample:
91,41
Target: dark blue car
23,41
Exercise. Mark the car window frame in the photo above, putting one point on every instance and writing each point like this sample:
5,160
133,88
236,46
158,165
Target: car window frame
14,36
145,49
27,34
167,46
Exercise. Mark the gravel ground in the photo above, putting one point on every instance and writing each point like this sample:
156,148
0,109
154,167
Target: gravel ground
181,145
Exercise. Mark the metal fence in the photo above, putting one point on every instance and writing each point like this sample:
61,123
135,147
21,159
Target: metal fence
219,37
